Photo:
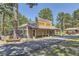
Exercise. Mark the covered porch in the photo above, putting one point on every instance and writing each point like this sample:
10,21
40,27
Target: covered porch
40,32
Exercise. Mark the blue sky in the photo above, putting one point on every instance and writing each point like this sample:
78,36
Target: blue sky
55,7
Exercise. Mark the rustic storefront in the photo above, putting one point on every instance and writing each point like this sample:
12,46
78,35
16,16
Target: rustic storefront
41,28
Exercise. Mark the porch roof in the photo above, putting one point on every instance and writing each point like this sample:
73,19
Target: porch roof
34,26
72,29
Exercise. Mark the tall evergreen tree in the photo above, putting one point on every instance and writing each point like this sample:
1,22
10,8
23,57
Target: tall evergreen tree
15,9
4,10
76,18
46,13
60,19
64,20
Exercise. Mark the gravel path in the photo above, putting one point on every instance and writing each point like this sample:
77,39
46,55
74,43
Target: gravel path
26,48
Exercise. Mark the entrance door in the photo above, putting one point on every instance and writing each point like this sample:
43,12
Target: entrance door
50,33
33,33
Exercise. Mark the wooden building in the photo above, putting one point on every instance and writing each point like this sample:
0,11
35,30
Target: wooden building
41,28
72,31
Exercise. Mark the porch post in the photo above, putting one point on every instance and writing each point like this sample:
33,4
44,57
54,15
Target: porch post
42,32
35,33
48,32
27,32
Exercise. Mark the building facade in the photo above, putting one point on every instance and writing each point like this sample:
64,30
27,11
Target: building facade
70,31
41,28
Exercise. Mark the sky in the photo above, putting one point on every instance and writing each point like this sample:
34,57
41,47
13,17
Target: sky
55,7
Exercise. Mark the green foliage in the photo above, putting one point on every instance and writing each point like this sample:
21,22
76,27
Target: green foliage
57,50
7,21
60,50
76,14
32,4
22,19
11,18
76,18
46,13
60,19
5,11
64,20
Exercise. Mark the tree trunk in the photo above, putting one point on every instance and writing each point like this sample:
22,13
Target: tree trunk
15,22
3,24
62,25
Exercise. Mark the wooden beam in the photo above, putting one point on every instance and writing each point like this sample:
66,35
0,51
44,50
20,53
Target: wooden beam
27,32
48,33
35,33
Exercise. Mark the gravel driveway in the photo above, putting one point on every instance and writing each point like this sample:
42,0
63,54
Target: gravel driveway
26,48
